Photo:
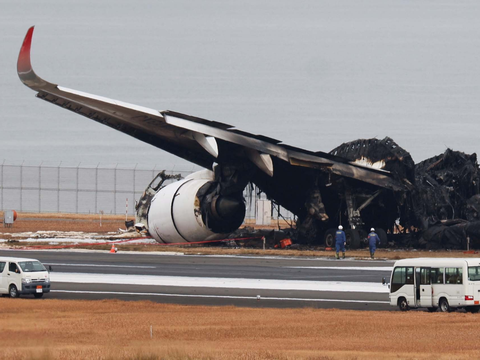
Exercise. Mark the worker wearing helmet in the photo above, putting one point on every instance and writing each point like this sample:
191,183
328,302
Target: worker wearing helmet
340,242
372,242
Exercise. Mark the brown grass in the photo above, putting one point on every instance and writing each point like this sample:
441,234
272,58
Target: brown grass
109,329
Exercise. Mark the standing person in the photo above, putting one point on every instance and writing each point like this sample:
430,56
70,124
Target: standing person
340,242
372,242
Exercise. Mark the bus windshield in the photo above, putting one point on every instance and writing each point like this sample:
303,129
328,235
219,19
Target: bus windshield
474,273
31,266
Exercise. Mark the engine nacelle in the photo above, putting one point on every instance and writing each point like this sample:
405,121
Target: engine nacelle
180,212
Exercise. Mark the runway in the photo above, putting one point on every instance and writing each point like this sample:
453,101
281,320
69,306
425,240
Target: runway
251,281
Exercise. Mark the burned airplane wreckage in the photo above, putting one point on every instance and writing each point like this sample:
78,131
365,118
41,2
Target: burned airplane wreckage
439,207
361,184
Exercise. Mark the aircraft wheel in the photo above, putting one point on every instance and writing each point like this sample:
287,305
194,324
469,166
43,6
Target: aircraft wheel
330,238
382,234
353,238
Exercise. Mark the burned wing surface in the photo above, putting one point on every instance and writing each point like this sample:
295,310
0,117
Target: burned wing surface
295,178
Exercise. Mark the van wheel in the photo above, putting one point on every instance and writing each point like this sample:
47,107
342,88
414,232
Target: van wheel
432,309
403,305
38,296
12,291
444,307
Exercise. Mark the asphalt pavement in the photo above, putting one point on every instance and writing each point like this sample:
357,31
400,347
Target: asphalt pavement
252,281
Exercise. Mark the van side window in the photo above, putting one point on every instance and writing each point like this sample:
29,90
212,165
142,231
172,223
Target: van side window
436,275
2,266
12,267
453,276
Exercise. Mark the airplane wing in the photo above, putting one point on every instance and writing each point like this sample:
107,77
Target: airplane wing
197,140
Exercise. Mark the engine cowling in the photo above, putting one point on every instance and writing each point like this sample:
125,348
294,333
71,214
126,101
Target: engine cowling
181,212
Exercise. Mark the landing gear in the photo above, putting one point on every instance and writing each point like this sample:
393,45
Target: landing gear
330,238
353,238
382,234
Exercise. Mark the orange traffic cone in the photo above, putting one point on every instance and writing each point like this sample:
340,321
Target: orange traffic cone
113,250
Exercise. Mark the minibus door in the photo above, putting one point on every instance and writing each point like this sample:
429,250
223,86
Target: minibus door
425,288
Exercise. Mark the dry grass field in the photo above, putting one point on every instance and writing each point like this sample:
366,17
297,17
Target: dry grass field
54,329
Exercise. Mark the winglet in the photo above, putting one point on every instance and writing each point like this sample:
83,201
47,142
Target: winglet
24,66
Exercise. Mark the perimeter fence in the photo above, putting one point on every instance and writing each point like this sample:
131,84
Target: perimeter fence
89,190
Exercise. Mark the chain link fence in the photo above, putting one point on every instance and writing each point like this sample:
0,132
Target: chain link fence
87,190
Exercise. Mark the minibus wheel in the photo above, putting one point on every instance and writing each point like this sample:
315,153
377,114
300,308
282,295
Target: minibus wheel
444,307
12,291
402,304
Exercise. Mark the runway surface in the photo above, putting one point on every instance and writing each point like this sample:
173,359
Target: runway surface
252,281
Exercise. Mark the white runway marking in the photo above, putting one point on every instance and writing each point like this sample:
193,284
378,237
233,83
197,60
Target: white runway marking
366,268
205,282
219,296
101,265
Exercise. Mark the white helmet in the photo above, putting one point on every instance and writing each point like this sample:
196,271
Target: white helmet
372,229
340,227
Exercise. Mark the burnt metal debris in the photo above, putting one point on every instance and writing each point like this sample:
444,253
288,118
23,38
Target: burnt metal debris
439,208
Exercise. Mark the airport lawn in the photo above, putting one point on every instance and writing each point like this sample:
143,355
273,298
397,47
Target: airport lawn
111,329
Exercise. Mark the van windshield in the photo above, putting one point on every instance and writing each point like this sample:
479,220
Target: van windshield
474,273
31,266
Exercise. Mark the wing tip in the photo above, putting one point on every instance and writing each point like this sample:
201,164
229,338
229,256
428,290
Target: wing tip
24,64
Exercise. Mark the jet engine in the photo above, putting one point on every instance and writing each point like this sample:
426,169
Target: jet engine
189,210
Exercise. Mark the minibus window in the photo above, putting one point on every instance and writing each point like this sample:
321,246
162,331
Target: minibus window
2,266
453,276
474,273
398,275
410,278
437,275
401,276
424,276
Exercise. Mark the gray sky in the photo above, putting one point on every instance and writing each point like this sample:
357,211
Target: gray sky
313,74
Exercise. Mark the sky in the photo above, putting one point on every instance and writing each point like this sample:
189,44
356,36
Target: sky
314,74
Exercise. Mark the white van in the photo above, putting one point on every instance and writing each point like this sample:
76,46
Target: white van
19,276
446,284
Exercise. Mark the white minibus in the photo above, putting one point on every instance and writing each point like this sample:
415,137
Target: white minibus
20,276
444,284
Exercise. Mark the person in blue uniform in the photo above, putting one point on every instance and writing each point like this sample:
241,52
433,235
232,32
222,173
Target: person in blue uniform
340,242
373,239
